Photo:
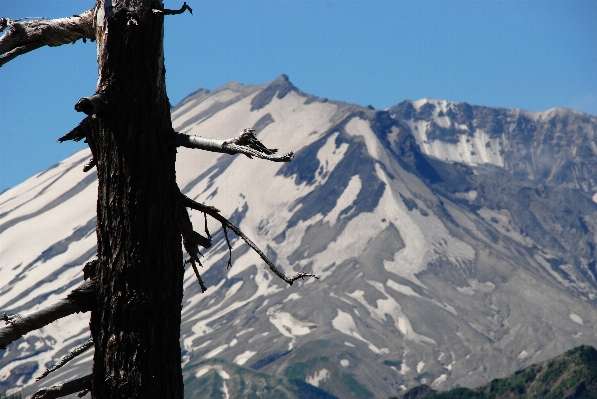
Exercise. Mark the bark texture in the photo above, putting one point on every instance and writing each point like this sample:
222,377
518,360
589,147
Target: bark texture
81,299
136,323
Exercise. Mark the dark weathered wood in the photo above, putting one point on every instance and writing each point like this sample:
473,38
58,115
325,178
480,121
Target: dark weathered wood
67,388
136,324
184,8
80,299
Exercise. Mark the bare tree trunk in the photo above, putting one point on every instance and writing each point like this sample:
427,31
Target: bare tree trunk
135,295
136,323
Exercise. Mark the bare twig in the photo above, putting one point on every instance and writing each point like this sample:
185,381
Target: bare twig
184,7
67,388
22,37
229,246
189,203
247,143
192,262
76,352
81,299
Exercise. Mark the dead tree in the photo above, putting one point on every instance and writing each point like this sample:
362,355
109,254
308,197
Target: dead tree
135,286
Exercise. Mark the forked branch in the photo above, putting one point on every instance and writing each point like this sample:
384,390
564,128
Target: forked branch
246,143
189,203
82,385
81,299
22,37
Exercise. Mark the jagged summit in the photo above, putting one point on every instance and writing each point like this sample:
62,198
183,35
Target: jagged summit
434,272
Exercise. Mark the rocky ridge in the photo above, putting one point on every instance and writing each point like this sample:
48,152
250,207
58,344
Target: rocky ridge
431,272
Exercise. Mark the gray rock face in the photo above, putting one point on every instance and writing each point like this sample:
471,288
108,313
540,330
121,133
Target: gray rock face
555,147
431,272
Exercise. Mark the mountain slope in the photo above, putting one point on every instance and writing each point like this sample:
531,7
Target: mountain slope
571,375
430,272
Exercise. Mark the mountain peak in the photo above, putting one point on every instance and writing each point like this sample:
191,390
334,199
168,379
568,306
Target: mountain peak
280,87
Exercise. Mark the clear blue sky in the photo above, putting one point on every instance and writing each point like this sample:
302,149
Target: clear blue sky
533,55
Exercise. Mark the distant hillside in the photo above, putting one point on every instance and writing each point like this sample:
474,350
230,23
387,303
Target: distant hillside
572,375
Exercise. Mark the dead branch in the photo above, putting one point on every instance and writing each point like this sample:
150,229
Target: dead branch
184,7
191,240
246,143
81,299
79,133
67,388
76,352
189,203
201,284
22,37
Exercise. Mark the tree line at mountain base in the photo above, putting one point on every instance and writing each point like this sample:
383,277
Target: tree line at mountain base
572,375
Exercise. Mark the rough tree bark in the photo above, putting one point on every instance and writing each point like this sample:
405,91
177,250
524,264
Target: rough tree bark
136,322
137,279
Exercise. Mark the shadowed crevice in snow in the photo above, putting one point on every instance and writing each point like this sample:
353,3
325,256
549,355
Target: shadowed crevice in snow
54,250
322,200
263,122
46,187
82,185
78,262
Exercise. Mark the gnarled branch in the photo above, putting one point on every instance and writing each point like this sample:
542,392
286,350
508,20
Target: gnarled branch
246,143
184,7
67,388
76,352
22,37
189,203
81,299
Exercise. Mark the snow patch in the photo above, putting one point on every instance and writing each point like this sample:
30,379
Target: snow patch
243,357
390,307
522,355
318,377
575,318
288,325
346,199
344,323
216,351
420,366
292,297
403,289
442,378
345,363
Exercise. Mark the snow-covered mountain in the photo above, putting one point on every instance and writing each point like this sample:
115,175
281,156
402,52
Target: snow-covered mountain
449,251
